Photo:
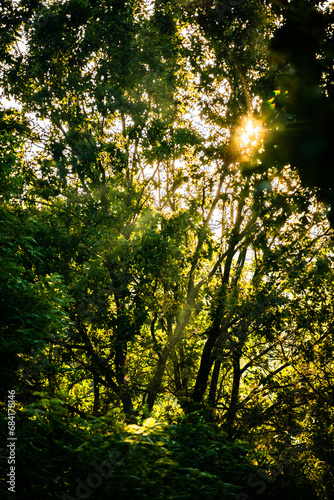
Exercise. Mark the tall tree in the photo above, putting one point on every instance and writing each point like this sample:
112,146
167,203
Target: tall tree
160,233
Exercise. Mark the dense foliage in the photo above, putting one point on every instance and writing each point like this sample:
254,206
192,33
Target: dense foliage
166,248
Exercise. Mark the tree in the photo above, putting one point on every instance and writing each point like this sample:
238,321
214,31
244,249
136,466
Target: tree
174,257
304,102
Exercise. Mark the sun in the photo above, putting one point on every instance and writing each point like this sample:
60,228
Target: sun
248,136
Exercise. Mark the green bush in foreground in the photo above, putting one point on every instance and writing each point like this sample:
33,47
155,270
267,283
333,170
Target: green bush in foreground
61,458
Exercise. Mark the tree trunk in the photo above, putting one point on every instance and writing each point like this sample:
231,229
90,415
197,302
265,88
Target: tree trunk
156,381
177,375
206,364
232,410
184,374
96,396
214,383
121,376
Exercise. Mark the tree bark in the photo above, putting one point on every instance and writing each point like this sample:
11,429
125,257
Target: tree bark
184,374
206,364
96,396
214,383
233,407
156,381
177,375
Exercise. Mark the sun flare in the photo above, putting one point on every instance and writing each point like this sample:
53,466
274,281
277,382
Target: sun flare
248,136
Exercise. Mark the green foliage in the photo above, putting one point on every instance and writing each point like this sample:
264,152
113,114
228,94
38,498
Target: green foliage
162,249
304,101
189,459
33,307
12,129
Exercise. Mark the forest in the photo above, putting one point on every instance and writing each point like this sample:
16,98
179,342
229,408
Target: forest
166,229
